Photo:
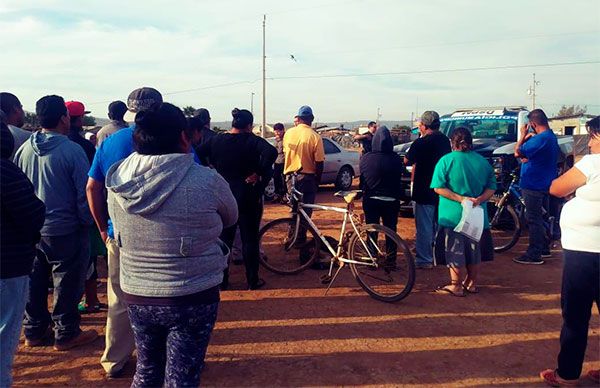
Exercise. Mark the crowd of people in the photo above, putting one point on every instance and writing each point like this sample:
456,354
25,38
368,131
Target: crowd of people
162,196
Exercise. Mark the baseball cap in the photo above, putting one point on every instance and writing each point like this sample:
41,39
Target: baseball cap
76,108
117,109
429,117
304,111
141,99
202,115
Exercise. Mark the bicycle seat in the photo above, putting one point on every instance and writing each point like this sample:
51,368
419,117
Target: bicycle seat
349,195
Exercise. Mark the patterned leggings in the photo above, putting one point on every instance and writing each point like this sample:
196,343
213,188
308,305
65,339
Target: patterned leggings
171,343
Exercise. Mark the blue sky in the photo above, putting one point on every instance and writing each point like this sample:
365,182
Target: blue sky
104,49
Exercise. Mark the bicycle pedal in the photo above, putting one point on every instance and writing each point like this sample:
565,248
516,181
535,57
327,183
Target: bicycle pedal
325,279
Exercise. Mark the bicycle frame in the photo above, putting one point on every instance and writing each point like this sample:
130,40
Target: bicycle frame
514,190
299,213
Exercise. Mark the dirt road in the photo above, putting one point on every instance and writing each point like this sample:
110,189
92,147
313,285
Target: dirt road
290,334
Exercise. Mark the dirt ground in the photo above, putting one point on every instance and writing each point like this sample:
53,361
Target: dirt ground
291,334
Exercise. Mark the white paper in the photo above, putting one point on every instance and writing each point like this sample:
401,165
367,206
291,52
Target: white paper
471,221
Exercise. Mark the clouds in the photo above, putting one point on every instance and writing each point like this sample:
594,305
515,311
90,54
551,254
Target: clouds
103,50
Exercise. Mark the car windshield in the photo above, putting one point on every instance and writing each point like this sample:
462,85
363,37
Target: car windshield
504,127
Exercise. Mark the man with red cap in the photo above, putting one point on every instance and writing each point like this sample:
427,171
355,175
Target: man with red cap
77,111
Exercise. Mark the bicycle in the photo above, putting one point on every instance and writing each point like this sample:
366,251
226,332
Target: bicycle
507,216
379,259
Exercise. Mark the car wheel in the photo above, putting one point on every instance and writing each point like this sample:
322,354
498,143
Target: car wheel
270,190
344,178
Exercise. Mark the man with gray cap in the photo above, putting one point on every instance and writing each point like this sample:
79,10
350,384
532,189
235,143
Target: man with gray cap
119,336
423,155
116,110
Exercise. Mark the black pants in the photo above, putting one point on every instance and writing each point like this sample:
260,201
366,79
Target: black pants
67,257
249,224
534,202
386,211
580,289
278,179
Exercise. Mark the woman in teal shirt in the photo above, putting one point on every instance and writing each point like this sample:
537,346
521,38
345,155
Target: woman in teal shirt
463,175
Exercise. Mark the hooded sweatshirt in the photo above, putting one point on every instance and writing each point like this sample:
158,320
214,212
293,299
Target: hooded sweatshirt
381,169
22,215
57,167
168,213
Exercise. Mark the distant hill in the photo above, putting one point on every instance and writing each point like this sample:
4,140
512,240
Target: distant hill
347,124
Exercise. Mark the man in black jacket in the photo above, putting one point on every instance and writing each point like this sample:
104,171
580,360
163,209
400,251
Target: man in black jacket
22,218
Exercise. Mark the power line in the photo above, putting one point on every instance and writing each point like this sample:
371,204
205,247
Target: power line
438,70
433,71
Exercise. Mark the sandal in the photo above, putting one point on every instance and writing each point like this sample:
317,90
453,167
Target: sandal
447,289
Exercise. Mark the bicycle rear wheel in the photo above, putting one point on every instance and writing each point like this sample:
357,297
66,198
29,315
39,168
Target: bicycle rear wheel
393,275
505,226
278,255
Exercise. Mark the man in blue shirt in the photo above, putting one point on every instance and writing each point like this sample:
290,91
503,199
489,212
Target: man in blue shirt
538,149
119,336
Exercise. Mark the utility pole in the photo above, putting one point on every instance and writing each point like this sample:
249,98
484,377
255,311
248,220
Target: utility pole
531,91
264,83
252,103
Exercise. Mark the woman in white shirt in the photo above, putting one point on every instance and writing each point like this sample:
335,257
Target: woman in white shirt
580,226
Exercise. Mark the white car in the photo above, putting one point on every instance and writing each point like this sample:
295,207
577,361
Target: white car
340,167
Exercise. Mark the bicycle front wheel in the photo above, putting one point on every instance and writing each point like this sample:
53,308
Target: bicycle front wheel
279,254
388,272
505,226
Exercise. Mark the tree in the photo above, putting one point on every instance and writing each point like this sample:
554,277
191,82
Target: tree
31,120
572,110
401,128
188,111
89,121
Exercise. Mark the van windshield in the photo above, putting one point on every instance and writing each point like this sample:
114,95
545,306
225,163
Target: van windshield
482,127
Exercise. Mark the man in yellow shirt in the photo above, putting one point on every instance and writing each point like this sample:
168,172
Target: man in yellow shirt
303,149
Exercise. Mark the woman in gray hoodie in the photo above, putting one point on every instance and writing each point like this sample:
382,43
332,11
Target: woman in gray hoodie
168,213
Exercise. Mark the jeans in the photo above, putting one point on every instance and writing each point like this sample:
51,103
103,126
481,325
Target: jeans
278,179
425,223
67,258
171,343
387,211
13,295
580,289
249,224
534,202
307,185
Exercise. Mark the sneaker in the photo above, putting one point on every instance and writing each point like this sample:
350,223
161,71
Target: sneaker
259,284
83,338
528,260
41,341
114,374
546,253
551,378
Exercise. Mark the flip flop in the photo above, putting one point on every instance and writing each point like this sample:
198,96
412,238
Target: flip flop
446,289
